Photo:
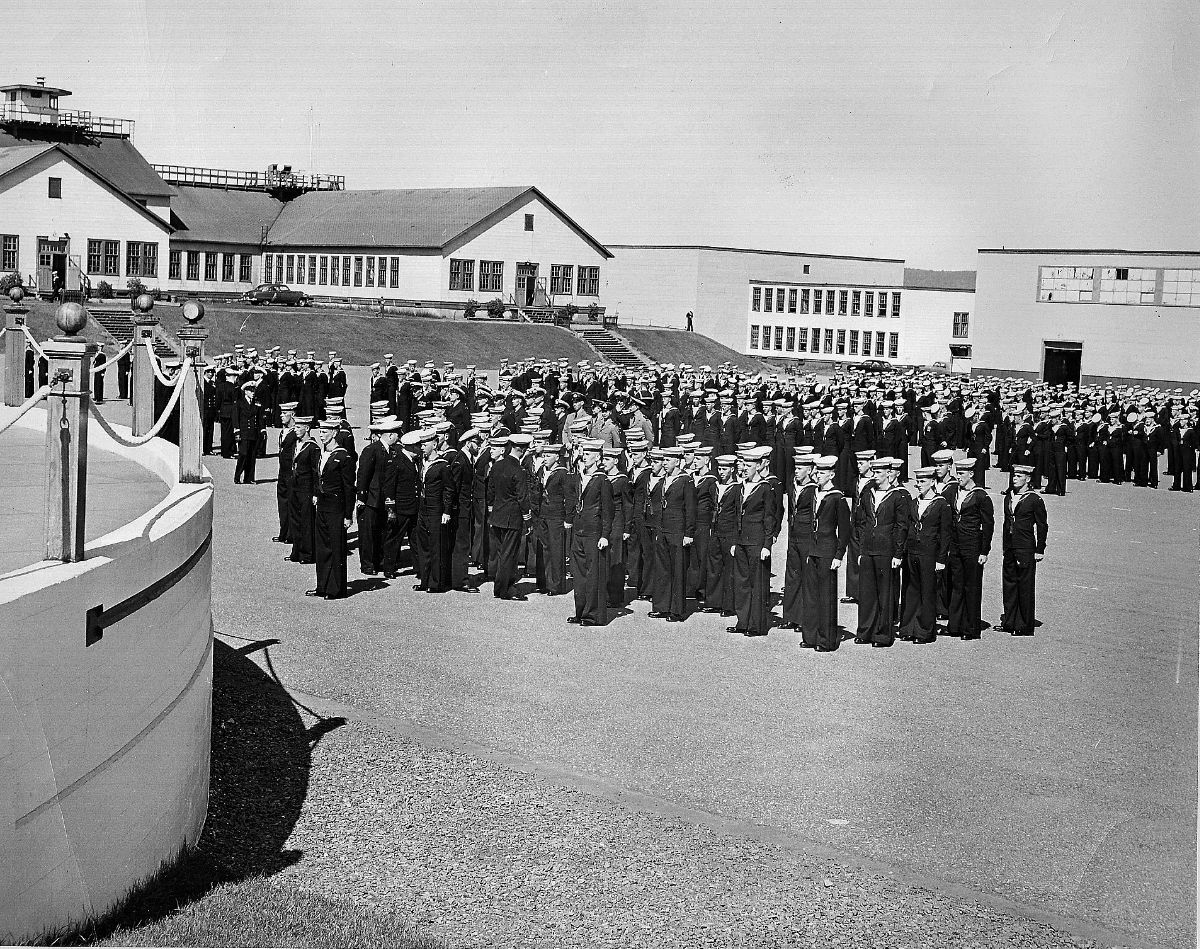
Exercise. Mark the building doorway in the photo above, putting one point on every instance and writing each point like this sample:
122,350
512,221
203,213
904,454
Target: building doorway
526,283
52,264
1061,363
960,358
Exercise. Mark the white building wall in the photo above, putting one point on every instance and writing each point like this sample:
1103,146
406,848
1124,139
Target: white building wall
552,241
417,273
86,211
927,318
652,286
220,285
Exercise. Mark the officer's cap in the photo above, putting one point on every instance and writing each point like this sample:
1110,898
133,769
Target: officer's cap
288,406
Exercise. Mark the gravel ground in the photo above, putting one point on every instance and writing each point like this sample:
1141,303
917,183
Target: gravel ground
482,855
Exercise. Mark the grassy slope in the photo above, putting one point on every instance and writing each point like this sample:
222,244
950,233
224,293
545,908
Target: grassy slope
677,346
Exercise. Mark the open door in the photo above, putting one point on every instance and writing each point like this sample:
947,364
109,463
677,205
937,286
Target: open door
1061,362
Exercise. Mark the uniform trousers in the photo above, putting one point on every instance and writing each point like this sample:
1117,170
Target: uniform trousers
752,585
481,543
302,529
670,577
852,570
396,531
505,543
243,469
966,592
1018,581
635,556
590,567
793,582
718,593
876,599
820,603
227,443
210,422
430,553
698,561
647,581
918,603
370,536
616,573
1056,473
550,568
331,551
283,505
460,550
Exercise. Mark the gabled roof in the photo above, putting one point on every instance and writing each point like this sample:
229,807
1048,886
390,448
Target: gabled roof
14,156
916,279
418,218
116,160
220,216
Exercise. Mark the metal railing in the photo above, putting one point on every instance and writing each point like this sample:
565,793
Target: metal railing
247,180
67,118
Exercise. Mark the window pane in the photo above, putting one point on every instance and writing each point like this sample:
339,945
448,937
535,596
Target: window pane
842,294
791,301
791,338
803,301
841,342
754,336
756,299
893,345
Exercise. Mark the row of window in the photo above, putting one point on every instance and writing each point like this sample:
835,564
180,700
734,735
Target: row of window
491,277
104,258
829,341
1149,286
827,301
331,270
227,262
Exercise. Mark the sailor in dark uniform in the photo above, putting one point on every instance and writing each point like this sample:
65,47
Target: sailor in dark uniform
334,501
509,513
288,440
591,527
930,529
757,526
1025,533
831,534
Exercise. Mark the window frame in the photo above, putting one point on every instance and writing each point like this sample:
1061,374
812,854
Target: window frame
893,346
778,339
562,279
464,280
491,276
369,273
529,222
323,271
840,346
10,254
193,265
768,299
854,342
869,303
393,272
358,270
312,269
792,300
791,339
345,270
843,302
961,325
856,302
754,336
827,342
804,300
227,268
895,304
591,274
802,340
756,300
174,264
245,268
54,189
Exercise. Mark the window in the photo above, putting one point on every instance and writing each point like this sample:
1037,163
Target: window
193,265
268,268
806,268
312,268
829,341
491,276
589,282
346,271
756,299
854,342
802,340
173,265
856,303
55,187
961,325
870,304
244,268
879,344
529,222
141,259
370,271
779,338
829,302
1070,284
335,270
299,278
394,275
841,342
227,268
104,257
769,299
382,271
895,305
882,304
291,268
803,301
462,274
1180,287
893,345
866,342
561,278
1135,286
791,339
323,273
779,300
358,271
816,301
791,301
9,252
754,336
816,340
842,295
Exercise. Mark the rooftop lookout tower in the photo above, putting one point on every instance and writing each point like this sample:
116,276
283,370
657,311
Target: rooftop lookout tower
33,110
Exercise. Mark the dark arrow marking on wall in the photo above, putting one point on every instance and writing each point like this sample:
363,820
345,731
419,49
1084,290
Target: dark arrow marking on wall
99,619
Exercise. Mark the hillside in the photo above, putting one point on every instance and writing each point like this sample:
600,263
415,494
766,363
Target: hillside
676,346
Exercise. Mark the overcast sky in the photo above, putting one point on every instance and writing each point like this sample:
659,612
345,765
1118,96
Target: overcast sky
921,129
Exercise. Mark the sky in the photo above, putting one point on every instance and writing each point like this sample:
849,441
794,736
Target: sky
919,129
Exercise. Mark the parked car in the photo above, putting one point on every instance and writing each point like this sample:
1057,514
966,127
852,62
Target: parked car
267,293
874,365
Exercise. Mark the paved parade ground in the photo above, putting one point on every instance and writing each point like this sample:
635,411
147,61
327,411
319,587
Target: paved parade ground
1051,777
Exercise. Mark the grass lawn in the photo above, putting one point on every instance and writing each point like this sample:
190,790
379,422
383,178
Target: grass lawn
676,346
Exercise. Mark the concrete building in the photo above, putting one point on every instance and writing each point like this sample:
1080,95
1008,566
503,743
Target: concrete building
1089,316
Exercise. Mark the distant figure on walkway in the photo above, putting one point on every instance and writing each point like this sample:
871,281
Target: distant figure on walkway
689,321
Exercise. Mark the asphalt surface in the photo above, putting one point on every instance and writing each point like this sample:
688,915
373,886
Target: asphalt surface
1054,774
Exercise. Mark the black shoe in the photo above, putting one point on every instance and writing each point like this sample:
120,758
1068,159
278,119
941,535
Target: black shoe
861,642
967,636
786,624
653,615
751,632
368,571
574,620
588,622
674,618
466,589
824,648
710,609
734,629
881,645
804,645
391,574
278,540
420,587
847,599
728,613
515,596
312,593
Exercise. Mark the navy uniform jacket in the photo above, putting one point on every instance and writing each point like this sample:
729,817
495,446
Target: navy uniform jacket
706,499
287,452
1025,522
371,470
974,521
830,526
881,522
508,493
401,483
678,508
981,441
334,487
800,517
622,495
304,470
639,487
727,513
247,418
559,495
759,519
438,492
930,534
594,510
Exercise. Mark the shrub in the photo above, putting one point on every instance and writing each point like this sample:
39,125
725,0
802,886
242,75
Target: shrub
495,308
593,312
104,290
135,286
471,309
10,280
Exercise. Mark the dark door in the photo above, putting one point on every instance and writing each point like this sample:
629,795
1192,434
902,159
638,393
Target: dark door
526,283
1060,364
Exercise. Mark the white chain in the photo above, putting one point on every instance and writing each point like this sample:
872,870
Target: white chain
25,407
139,440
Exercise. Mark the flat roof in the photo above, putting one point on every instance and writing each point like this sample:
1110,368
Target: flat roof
1088,250
754,250
35,88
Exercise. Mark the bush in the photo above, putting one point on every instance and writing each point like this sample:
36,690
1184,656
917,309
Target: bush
593,312
104,290
135,287
495,308
471,309
10,280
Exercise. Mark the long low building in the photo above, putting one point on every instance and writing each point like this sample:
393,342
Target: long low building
1089,316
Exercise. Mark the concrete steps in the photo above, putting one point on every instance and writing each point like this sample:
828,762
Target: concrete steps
119,325
611,347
